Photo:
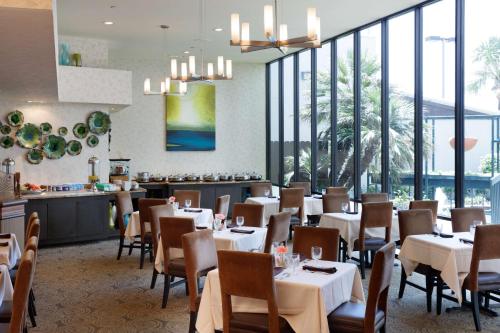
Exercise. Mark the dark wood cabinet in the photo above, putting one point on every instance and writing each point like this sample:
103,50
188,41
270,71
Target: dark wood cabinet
61,218
92,215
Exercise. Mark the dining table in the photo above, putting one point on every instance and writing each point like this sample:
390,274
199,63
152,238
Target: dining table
10,252
304,298
6,288
313,205
451,256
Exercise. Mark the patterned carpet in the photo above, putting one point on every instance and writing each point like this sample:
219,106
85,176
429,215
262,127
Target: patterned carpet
85,289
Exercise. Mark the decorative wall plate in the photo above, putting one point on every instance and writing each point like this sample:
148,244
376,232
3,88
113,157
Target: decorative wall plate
80,130
99,122
6,141
45,128
34,156
92,141
15,118
62,131
73,148
5,129
28,136
54,147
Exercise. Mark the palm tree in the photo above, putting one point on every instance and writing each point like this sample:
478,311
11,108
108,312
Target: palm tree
488,53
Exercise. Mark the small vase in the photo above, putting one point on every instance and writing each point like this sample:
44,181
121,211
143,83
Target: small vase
64,56
76,59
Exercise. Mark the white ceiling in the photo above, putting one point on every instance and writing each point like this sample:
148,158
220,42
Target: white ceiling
136,30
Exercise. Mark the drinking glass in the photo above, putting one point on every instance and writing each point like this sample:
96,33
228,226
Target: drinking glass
295,262
266,193
217,224
176,205
240,220
323,191
345,207
439,227
187,203
316,252
472,229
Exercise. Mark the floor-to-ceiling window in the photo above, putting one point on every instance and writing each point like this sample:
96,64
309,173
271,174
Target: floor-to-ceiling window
304,92
401,67
288,119
323,116
482,106
439,103
274,153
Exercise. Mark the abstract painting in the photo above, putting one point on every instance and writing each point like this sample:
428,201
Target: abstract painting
191,119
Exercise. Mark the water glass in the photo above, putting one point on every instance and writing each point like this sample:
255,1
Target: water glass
187,203
295,262
323,191
240,220
266,193
439,227
345,207
176,205
316,252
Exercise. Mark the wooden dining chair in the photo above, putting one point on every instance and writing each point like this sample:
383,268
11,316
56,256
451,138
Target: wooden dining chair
251,275
426,204
172,229
32,217
252,213
417,222
292,200
182,195
259,189
372,317
145,221
373,215
124,210
332,203
305,185
222,205
463,218
486,247
156,212
304,238
200,257
277,230
337,190
374,197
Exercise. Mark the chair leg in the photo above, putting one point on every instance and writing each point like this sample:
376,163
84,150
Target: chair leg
166,290
344,252
31,312
487,300
474,295
120,248
186,287
402,283
382,329
143,252
362,263
32,298
439,298
150,249
192,322
153,278
131,247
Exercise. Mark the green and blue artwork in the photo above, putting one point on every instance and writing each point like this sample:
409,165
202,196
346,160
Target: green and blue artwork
191,119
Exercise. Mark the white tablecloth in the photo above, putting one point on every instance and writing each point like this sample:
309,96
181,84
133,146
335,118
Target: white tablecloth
224,240
10,253
304,300
447,255
348,225
312,206
134,225
6,289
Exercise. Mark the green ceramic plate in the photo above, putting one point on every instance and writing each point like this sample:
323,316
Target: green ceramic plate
45,128
92,141
6,141
54,147
5,129
99,122
62,131
80,130
34,156
73,148
15,118
28,136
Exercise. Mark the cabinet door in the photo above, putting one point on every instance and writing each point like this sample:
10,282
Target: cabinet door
93,217
61,220
39,206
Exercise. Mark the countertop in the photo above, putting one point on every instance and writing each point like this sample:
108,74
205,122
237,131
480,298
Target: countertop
72,194
201,182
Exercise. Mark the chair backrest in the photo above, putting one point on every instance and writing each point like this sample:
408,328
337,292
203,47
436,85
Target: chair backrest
222,205
304,238
463,218
374,197
332,203
31,244
34,229
337,190
259,189
124,207
156,212
145,212
182,195
171,230
378,287
247,274
200,255
486,246
373,215
253,214
292,198
277,230
414,222
305,185
426,204
24,279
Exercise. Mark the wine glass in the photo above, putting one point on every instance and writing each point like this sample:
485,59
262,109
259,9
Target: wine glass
316,252
240,220
266,193
345,207
187,203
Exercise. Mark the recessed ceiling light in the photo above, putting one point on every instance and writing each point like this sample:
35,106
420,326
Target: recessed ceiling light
109,22
186,52
30,101
218,29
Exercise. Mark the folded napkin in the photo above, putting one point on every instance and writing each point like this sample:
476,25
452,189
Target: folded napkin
232,225
201,227
5,236
352,213
445,235
272,197
329,270
465,240
243,231
317,197
307,195
193,210
4,244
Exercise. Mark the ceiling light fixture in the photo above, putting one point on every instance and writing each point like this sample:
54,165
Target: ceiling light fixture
277,35
218,29
108,22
